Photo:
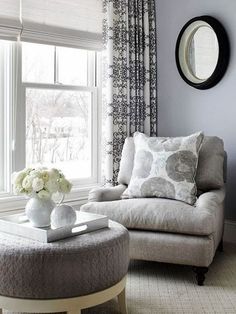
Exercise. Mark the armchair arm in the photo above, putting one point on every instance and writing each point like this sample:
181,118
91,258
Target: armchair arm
103,194
211,200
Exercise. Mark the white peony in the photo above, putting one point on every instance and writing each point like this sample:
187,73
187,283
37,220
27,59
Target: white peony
27,183
18,177
44,194
45,175
54,174
35,173
18,189
37,184
64,186
52,186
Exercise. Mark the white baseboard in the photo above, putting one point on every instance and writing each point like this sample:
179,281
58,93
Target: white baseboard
230,231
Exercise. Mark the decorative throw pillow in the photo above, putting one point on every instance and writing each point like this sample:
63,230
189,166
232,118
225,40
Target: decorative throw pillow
165,167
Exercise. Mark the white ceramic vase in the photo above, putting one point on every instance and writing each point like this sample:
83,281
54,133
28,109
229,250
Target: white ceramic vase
63,215
39,210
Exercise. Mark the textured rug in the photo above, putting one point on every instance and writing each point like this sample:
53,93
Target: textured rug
155,288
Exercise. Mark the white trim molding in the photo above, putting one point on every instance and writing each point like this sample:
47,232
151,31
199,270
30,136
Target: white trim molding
230,231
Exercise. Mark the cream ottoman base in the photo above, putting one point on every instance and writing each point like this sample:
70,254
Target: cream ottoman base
69,305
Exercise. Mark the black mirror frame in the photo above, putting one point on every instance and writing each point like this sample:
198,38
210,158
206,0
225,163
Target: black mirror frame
224,52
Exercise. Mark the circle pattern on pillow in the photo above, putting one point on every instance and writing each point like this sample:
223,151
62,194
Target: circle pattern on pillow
181,166
157,187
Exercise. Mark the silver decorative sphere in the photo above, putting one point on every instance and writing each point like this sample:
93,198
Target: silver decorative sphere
63,215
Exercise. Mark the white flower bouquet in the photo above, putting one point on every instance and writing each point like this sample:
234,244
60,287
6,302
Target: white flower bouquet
40,182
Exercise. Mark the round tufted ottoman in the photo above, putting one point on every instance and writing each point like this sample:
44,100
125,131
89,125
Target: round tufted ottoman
66,275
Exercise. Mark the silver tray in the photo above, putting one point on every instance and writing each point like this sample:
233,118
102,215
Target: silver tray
18,224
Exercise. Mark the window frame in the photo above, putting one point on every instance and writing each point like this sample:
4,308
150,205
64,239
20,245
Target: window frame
16,120
9,97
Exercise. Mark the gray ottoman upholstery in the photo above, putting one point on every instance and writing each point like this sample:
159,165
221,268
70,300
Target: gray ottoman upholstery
72,267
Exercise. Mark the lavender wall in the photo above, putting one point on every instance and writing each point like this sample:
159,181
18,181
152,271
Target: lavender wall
183,109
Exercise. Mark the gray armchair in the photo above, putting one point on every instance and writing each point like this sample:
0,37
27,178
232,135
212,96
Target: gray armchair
167,230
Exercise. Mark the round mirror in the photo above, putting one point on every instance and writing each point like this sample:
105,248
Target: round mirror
202,52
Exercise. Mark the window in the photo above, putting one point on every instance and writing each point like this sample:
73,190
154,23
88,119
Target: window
56,110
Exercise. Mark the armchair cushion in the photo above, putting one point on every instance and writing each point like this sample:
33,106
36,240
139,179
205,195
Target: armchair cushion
210,164
165,215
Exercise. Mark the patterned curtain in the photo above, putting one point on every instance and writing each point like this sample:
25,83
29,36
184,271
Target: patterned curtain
129,69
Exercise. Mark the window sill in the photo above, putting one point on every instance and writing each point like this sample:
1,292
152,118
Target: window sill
11,204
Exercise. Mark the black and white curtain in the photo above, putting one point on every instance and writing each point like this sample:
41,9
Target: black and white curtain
130,79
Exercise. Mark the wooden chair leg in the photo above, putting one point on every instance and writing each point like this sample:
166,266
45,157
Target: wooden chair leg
200,274
122,302
221,246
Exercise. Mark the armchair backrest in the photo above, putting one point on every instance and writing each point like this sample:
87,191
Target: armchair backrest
211,170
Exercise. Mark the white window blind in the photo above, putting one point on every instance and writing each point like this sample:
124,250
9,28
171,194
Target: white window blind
75,23
10,24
